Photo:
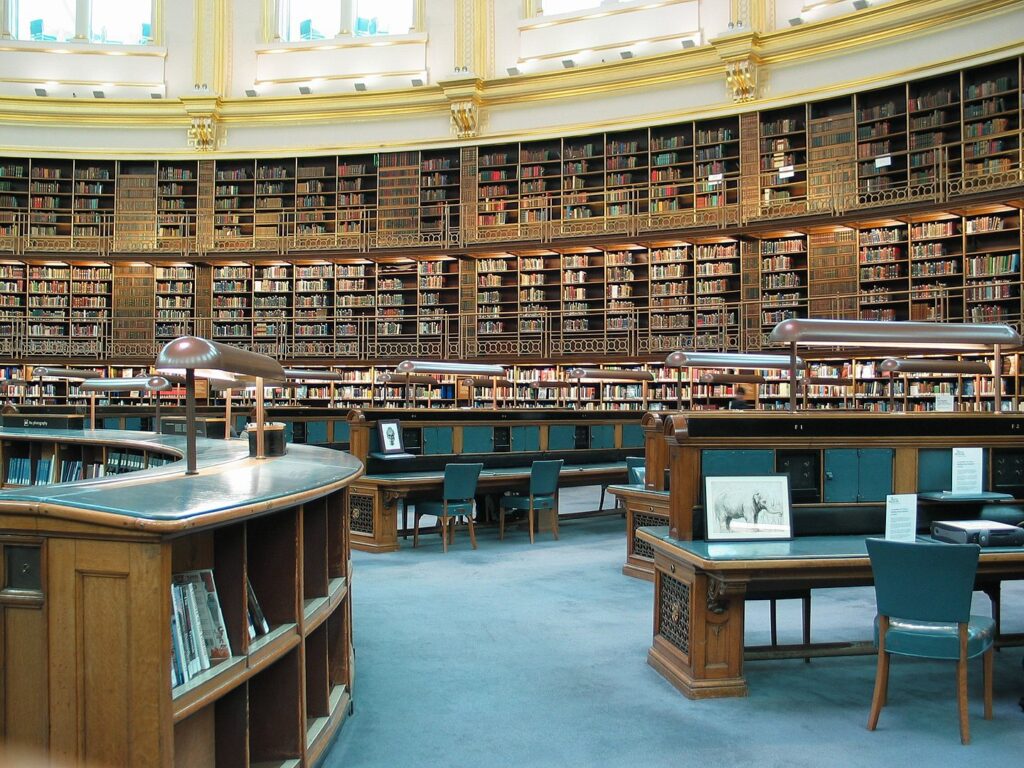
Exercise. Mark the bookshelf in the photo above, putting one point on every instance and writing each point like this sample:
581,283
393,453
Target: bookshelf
313,304
498,186
272,289
316,198
992,246
397,305
500,286
884,283
439,193
51,199
933,121
357,195
355,284
49,301
540,274
12,297
175,300
274,216
540,181
232,302
936,269
177,204
93,201
234,203
671,297
626,280
398,196
991,118
583,293
832,153
91,297
717,162
583,165
627,173
14,198
782,155
437,295
881,140
716,287
672,169
135,205
784,279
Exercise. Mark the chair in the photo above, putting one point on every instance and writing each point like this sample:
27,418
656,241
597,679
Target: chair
636,470
923,593
543,495
456,501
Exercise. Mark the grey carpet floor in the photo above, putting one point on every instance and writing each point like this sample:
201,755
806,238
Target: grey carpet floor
513,655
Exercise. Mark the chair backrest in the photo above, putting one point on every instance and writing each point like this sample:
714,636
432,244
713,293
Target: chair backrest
922,581
460,481
544,477
636,467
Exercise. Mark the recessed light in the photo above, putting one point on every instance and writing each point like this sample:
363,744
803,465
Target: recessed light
251,92
568,63
513,71
305,90
40,91
417,82
688,43
626,54
796,22
360,86
860,5
99,95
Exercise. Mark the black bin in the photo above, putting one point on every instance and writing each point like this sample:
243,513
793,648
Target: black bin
273,438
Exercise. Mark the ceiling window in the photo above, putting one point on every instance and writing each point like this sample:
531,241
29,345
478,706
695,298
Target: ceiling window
553,7
128,22
45,19
310,19
384,17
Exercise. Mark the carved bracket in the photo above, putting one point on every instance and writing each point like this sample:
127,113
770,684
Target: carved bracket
465,119
720,592
464,97
205,134
390,497
741,78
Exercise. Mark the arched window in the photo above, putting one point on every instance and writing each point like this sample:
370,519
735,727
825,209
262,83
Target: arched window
44,19
384,17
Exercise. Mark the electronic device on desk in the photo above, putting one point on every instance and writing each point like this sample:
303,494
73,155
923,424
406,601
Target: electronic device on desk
389,438
984,533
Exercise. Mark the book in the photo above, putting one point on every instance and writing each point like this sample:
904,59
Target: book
259,620
210,617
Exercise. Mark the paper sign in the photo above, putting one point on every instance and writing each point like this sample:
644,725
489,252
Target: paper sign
966,470
944,402
901,517
882,162
715,177
786,173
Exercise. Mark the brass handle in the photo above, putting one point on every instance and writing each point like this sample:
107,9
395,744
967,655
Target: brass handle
671,567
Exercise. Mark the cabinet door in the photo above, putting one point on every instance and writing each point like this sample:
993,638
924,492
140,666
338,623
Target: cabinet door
477,439
561,437
316,432
934,469
714,462
526,438
632,436
842,482
437,440
874,474
602,436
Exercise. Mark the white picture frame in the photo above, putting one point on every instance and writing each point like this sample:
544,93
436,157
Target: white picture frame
747,508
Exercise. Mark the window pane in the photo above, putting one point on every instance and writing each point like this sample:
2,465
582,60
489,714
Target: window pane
384,17
311,19
129,22
45,19
552,7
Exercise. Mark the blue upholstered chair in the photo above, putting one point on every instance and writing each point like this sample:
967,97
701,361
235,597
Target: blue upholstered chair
456,501
923,593
636,470
543,495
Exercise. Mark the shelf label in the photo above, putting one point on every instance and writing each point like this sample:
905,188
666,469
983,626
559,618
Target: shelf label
882,162
901,517
786,172
967,470
944,402
715,177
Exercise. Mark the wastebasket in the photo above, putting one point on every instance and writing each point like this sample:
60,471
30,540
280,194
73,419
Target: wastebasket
273,438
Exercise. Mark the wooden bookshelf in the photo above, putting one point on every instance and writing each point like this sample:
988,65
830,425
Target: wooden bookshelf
881,140
135,205
884,271
717,163
234,204
936,269
583,165
991,118
232,302
716,293
782,155
177,204
500,287
540,181
933,120
627,173
784,279
992,247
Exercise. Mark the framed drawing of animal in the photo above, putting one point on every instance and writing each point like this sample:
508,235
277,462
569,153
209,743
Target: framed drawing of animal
747,508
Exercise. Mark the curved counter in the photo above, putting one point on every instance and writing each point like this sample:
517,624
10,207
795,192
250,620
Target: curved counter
92,629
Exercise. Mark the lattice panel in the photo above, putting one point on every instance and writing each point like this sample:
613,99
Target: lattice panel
360,513
642,548
674,612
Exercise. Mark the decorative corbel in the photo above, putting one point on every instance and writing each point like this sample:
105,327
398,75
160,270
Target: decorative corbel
742,64
464,102
205,133
741,79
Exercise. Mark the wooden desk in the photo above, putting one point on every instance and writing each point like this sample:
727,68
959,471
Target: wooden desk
645,508
700,589
374,498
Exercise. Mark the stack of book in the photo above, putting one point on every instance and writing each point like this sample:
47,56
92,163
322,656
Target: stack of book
199,638
19,470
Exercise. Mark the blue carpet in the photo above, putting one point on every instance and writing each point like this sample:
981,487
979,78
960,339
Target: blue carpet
514,655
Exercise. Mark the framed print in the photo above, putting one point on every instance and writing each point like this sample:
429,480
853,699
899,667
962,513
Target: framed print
389,432
747,508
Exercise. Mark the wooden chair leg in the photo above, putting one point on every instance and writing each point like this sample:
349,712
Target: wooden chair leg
881,676
986,662
961,688
554,519
529,515
601,505
501,523
472,529
443,522
807,623
416,530
772,622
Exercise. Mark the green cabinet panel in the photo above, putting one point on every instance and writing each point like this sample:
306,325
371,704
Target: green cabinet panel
934,469
437,440
716,462
561,437
526,438
875,474
240,422
857,475
632,436
316,432
602,436
133,422
477,439
109,422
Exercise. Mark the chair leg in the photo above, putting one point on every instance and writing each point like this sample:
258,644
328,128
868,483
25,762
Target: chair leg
807,623
986,667
472,529
416,530
529,516
501,523
554,519
961,688
601,505
443,522
772,621
881,676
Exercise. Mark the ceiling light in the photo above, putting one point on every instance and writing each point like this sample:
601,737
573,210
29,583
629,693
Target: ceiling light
305,90
99,95
417,82
568,63
40,91
688,43
796,22
251,92
513,71
360,86
860,5
626,54
156,95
